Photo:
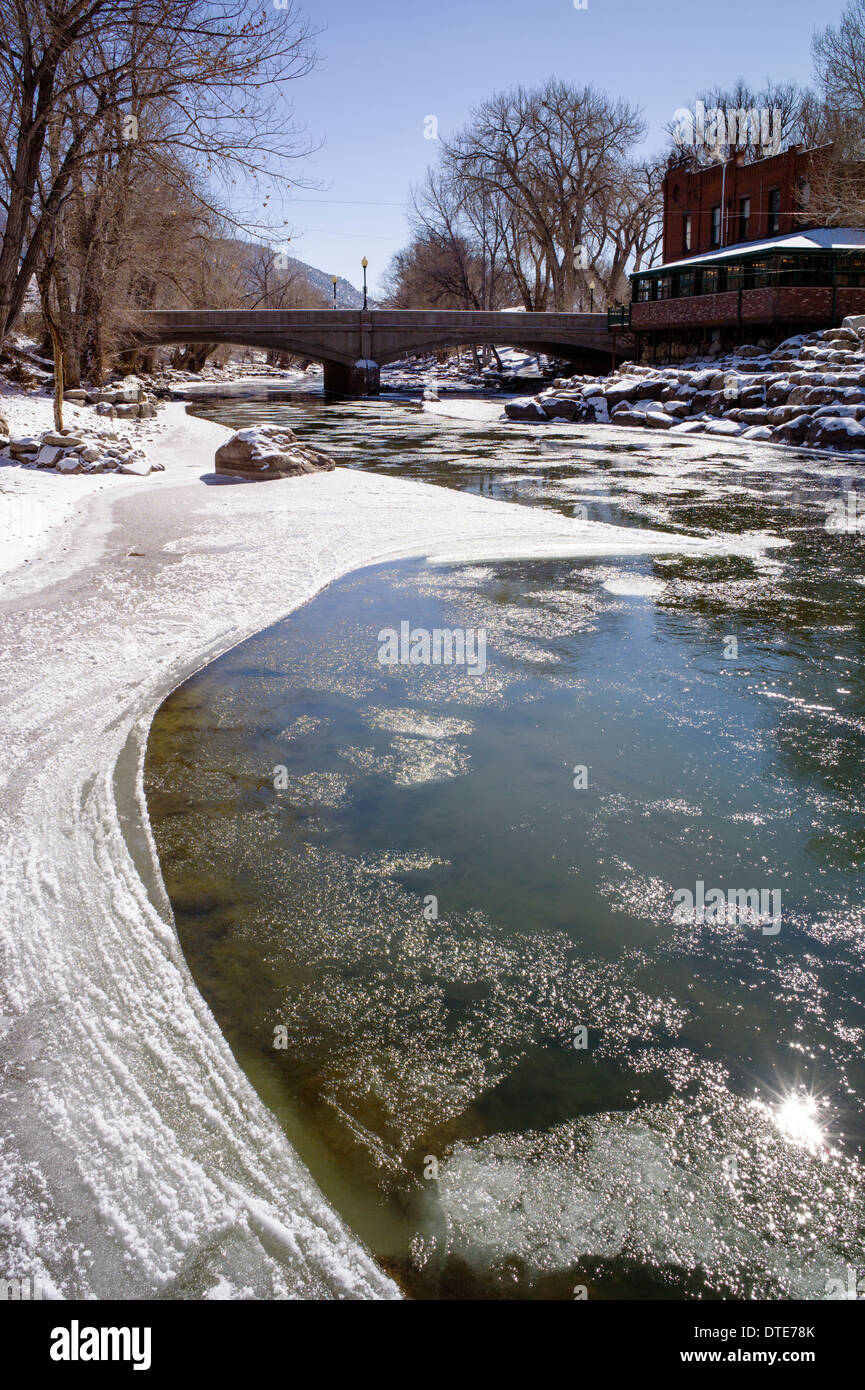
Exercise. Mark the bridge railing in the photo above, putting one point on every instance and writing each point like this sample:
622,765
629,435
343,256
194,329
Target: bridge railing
619,318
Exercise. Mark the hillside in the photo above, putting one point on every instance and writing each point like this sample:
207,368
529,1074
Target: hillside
347,296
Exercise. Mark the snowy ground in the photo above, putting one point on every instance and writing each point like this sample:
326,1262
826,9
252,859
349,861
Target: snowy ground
136,1159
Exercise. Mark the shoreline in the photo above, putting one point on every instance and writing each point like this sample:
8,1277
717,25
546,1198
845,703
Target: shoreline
139,1161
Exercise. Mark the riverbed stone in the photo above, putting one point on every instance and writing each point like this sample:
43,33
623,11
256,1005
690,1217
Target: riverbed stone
264,452
48,455
530,409
561,408
836,432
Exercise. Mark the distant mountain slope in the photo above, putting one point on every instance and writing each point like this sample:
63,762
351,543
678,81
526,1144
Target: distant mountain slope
347,297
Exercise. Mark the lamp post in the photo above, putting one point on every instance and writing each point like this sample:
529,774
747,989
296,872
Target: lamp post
591,296
364,263
334,279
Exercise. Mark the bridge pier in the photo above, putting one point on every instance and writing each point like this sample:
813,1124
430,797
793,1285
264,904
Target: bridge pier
362,379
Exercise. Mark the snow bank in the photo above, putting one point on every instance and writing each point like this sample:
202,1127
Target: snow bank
136,1158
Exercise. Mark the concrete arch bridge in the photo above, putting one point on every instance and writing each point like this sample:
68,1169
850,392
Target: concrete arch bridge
354,344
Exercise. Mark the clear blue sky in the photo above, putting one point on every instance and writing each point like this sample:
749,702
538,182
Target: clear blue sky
387,64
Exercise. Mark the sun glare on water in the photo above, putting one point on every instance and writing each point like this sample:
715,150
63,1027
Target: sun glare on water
796,1118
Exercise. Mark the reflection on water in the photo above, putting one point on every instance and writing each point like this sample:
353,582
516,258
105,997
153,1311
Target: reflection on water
434,911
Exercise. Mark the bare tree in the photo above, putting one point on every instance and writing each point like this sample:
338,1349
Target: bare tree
195,87
552,156
839,62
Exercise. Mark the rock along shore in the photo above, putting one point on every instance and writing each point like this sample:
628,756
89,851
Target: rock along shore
810,391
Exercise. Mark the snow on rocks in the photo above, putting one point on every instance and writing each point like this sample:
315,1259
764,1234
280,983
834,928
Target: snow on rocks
809,391
265,451
128,399
80,451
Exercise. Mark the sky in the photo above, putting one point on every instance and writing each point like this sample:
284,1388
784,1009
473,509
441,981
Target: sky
387,65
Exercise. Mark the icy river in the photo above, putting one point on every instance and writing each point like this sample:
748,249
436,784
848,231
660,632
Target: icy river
437,910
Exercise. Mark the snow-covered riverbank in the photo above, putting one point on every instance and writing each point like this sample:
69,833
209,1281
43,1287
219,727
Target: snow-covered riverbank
810,391
136,1159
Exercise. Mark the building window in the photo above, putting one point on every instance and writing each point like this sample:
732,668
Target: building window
759,275
644,290
734,277
851,269
665,286
684,284
792,270
744,218
709,280
716,225
686,232
773,226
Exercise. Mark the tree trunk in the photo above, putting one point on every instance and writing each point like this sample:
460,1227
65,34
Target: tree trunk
57,347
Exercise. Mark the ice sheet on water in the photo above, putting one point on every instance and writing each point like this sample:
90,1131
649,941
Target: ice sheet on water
749,1209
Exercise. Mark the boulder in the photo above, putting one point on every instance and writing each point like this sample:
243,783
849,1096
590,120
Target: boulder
724,427
561,408
265,452
689,427
652,390
820,395
622,393
633,417
49,455
597,411
758,432
792,431
523,409
836,432
64,441
783,413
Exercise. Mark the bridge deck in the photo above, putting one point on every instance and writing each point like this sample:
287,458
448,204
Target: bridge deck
345,337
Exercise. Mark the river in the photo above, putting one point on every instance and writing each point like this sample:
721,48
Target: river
436,909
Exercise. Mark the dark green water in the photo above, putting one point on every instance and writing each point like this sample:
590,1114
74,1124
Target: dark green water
425,911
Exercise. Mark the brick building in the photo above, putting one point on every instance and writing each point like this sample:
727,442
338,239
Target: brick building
708,209
742,261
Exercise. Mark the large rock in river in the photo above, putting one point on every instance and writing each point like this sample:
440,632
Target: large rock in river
269,452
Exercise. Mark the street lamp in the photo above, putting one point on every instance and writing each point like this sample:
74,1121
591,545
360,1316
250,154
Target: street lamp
364,263
334,279
591,296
